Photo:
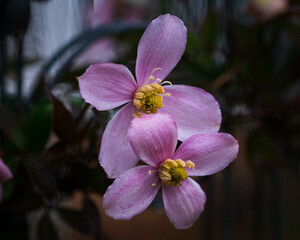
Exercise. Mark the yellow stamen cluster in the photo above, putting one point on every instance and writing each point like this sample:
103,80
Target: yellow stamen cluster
149,97
172,172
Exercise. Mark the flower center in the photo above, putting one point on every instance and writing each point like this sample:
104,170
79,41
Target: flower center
149,97
172,172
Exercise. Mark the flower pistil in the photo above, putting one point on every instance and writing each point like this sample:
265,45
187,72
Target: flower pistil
172,172
149,97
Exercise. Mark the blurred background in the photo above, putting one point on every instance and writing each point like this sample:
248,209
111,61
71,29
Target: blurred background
244,52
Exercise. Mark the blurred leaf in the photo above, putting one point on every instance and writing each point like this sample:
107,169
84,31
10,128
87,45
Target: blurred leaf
63,122
98,180
78,137
92,217
86,221
205,39
259,144
75,219
11,126
44,181
39,124
202,45
46,229
7,121
53,152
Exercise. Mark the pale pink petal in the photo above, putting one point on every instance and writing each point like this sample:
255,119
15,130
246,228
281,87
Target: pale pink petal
183,204
193,109
107,85
210,152
131,193
101,51
153,137
102,13
116,155
161,46
5,172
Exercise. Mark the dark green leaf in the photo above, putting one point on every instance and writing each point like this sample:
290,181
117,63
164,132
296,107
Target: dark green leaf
11,126
260,145
39,124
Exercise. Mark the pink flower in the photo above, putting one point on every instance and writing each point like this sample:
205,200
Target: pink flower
102,50
106,12
5,174
107,86
154,139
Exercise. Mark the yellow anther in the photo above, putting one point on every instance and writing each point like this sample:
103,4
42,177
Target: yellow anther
137,114
158,87
137,103
149,97
190,164
167,94
172,172
180,163
139,95
166,166
164,174
153,184
170,163
149,172
146,88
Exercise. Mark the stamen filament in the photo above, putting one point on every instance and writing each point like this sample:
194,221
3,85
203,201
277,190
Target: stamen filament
154,183
155,69
151,77
166,82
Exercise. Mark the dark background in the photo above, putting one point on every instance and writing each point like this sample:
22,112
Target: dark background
244,54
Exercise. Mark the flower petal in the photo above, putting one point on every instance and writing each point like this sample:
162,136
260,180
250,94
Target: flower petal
183,204
116,155
107,85
193,109
161,46
131,193
210,152
5,172
153,137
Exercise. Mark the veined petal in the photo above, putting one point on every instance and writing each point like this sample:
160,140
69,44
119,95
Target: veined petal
183,204
5,172
153,137
116,155
194,110
161,46
131,193
107,85
210,152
